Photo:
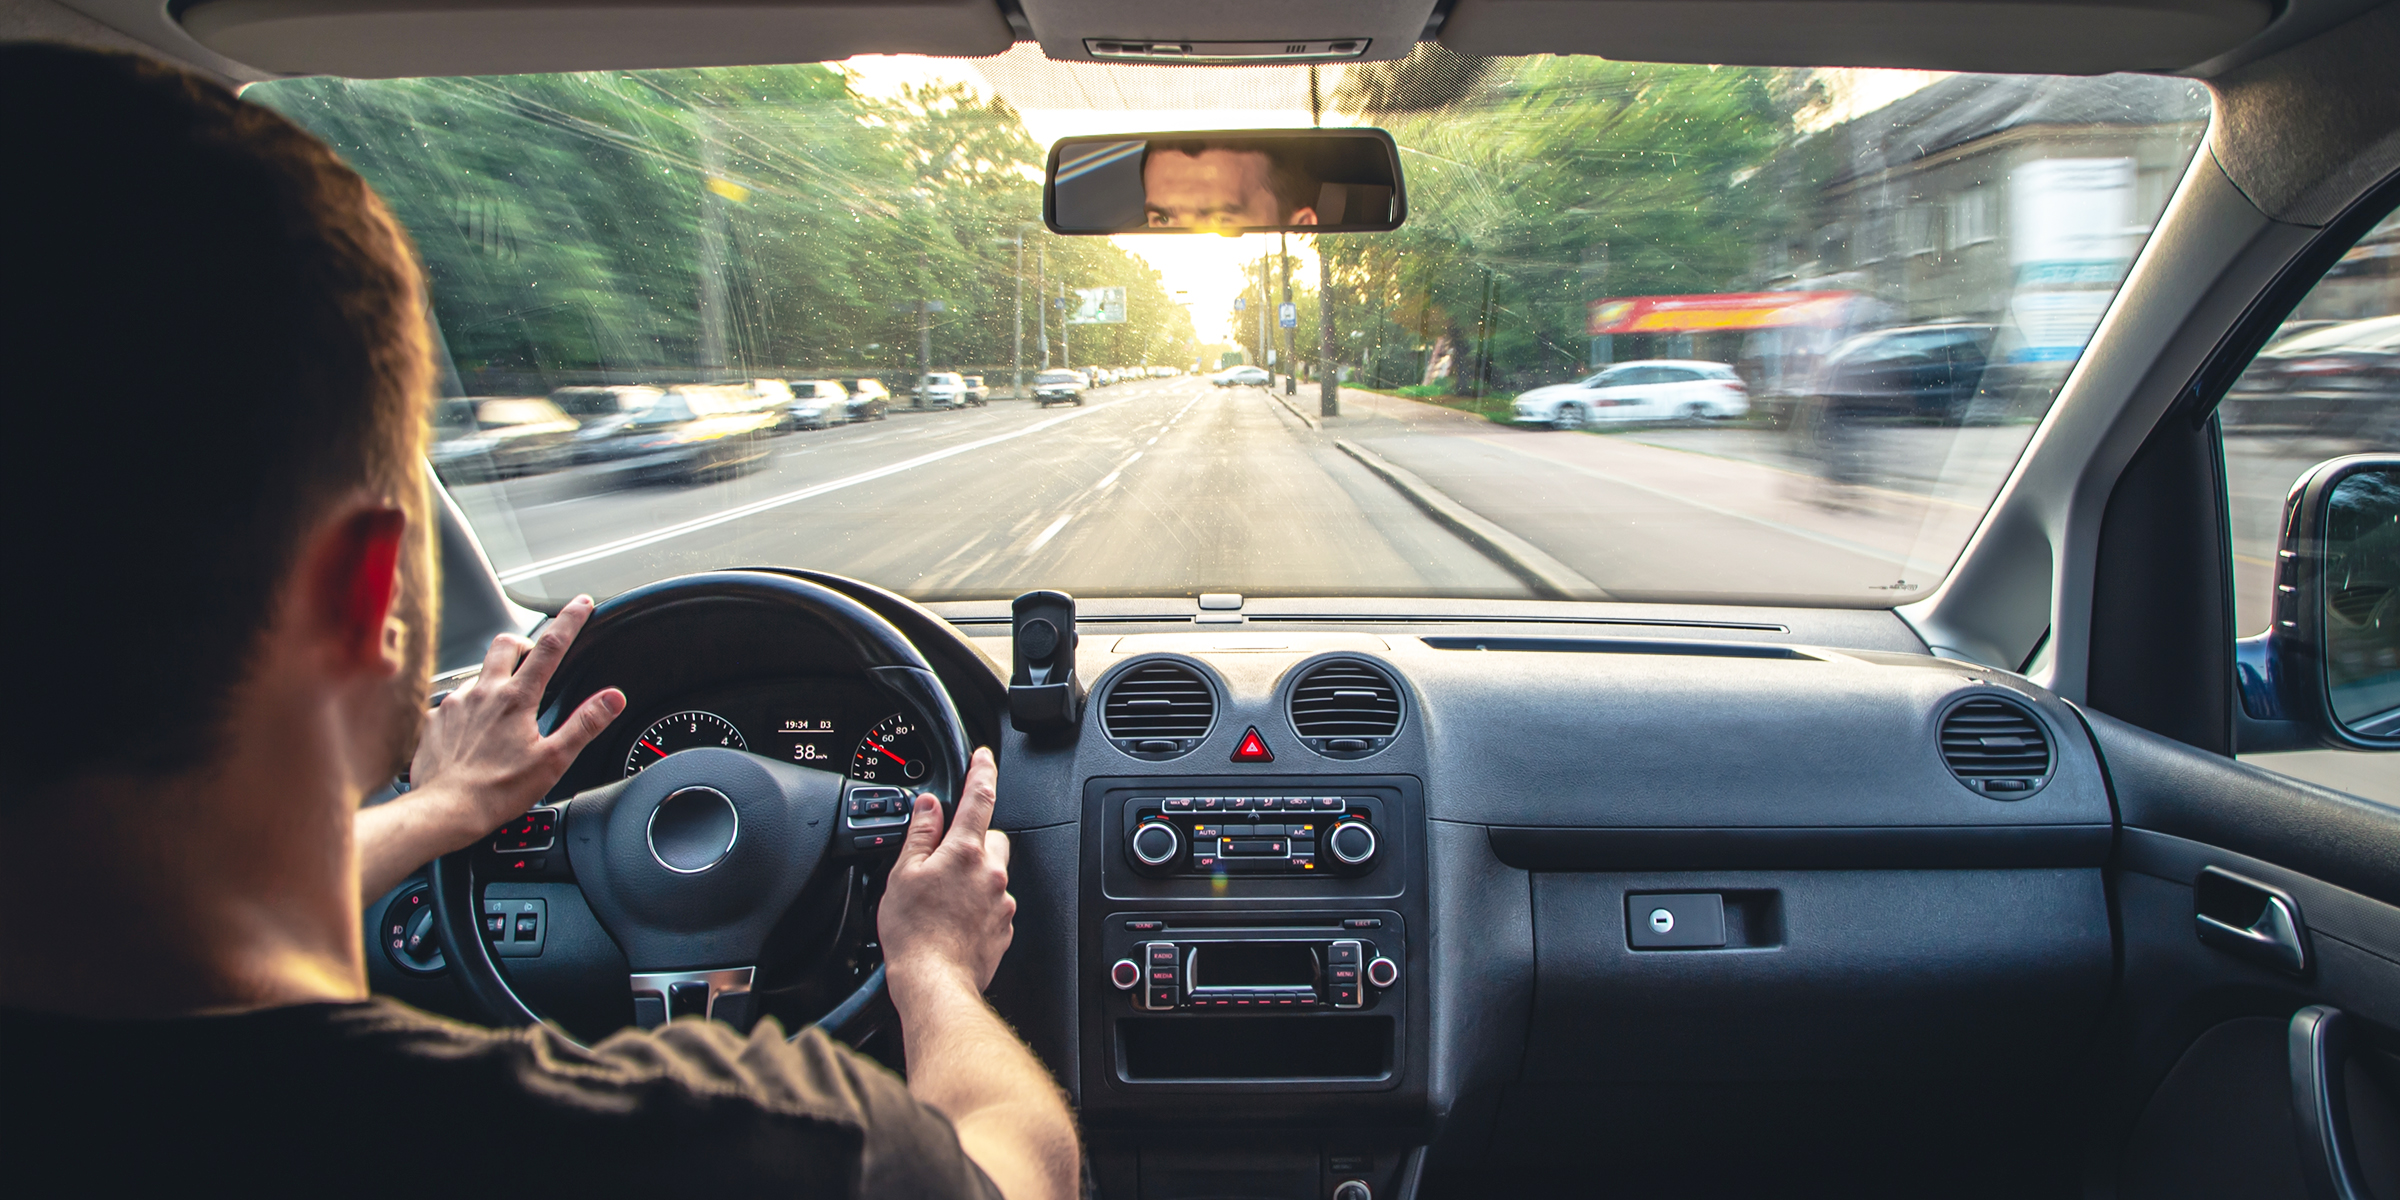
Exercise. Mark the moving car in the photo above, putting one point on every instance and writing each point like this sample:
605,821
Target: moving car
602,413
1244,375
1915,372
694,434
942,389
1647,390
816,404
869,400
1058,387
2022,825
2339,380
976,393
499,437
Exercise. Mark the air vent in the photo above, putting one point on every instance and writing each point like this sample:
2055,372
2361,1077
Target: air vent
1344,708
1158,710
1996,747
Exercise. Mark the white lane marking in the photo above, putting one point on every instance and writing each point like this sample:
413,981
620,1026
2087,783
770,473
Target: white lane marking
668,532
1051,532
1107,481
1151,442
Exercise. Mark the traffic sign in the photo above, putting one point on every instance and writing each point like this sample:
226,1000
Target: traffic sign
1287,314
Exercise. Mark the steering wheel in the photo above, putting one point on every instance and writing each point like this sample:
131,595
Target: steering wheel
694,865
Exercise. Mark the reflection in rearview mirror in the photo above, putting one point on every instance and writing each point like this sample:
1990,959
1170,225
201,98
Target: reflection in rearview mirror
2362,603
1230,182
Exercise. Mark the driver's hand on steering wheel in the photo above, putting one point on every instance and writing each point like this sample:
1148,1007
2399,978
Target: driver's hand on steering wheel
946,909
483,760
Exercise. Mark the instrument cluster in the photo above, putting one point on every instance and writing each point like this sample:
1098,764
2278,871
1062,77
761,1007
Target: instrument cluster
843,725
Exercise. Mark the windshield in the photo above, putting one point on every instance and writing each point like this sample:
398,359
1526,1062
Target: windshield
1712,234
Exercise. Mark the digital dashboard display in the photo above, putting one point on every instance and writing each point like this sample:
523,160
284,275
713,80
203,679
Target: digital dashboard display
810,742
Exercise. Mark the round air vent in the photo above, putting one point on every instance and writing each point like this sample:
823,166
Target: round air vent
1996,747
1345,708
1159,709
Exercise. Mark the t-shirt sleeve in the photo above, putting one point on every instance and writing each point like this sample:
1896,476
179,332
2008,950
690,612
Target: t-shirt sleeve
906,1149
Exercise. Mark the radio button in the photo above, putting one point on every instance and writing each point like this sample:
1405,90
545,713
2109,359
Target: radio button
1162,954
1145,926
1343,953
1126,974
1346,995
1160,997
1359,923
1342,975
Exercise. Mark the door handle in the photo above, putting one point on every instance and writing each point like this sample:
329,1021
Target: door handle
2251,919
2319,1046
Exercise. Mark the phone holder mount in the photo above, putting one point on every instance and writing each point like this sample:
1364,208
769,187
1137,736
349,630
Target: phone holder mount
1044,694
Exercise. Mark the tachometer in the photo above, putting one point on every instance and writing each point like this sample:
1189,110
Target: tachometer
893,752
681,731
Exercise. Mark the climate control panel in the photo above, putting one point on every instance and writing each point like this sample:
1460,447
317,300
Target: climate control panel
1209,835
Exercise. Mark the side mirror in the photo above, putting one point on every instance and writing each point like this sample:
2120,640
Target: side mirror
2327,671
1226,182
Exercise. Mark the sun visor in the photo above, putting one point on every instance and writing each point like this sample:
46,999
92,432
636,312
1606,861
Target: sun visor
375,39
1227,31
2049,37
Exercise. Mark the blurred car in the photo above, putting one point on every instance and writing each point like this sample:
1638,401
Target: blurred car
498,437
816,404
941,389
1918,372
869,399
2340,380
772,394
694,433
1644,390
977,394
602,412
1235,376
1058,387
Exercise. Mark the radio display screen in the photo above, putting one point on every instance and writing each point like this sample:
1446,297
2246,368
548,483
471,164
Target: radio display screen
1254,964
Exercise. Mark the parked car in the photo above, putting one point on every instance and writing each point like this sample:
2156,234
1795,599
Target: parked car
1917,372
816,404
694,433
1645,390
941,389
1058,387
497,437
602,413
869,399
977,394
1235,376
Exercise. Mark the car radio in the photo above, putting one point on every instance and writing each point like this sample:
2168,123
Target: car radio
1170,965
1251,835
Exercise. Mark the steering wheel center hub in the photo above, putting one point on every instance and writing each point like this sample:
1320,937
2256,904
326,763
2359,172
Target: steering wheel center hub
693,829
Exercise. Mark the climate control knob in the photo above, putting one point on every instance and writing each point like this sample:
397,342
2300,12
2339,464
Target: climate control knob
1155,844
1352,842
1125,974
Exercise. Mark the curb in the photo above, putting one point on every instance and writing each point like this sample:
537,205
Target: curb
1289,407
1547,576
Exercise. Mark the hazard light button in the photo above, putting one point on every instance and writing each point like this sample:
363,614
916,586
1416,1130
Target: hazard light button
1253,748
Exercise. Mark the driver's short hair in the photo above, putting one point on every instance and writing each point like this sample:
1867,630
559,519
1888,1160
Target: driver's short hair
1291,182
210,332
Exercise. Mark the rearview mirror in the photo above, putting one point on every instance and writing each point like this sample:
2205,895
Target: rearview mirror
2330,659
1226,182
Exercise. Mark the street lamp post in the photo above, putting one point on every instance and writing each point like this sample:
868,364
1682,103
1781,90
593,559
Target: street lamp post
1016,359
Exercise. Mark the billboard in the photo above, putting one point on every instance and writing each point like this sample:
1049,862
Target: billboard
1098,306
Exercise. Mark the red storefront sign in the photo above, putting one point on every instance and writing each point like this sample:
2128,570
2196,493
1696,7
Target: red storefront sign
1701,314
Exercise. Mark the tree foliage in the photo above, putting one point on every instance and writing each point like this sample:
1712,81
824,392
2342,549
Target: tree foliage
726,222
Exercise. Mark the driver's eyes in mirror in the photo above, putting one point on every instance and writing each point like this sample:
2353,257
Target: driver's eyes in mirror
1333,180
2362,603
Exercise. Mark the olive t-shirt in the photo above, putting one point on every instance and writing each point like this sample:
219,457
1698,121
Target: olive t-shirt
379,1099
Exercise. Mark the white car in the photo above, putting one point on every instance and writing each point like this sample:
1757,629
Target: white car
1657,389
816,404
1237,376
941,389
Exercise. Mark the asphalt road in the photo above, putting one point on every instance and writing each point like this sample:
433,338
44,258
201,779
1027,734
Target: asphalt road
1169,487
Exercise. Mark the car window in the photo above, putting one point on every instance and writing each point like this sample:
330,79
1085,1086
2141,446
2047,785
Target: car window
1566,215
2330,388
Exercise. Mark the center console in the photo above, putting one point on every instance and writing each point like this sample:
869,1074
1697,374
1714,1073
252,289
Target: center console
1250,937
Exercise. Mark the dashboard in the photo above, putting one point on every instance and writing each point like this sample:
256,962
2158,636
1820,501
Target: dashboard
827,723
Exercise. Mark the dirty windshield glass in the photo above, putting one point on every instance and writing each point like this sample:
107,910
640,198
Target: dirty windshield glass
1686,333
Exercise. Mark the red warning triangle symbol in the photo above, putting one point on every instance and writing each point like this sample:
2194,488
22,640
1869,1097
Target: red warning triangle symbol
1253,748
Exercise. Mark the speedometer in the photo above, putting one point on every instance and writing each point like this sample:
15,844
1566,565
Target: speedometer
681,731
892,752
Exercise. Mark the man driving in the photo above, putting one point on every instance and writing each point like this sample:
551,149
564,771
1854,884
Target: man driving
248,539
1199,184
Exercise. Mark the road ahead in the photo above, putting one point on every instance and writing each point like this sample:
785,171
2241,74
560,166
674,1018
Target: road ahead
1168,487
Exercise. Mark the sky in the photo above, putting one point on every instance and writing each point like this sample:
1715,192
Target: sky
1060,100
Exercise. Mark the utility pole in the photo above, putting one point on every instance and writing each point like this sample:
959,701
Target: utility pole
1017,358
1066,332
1041,308
1265,301
924,335
1329,373
1291,358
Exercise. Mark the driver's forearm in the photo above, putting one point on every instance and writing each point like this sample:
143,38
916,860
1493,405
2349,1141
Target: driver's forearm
1010,1116
400,835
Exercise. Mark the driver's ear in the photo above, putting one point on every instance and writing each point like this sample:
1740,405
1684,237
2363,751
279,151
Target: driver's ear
1304,216
352,569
